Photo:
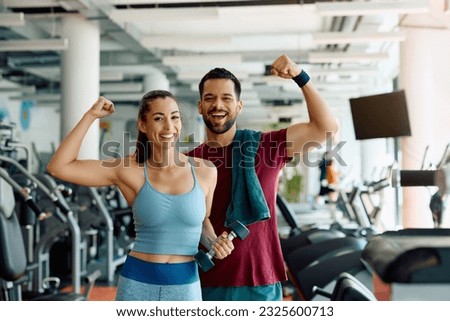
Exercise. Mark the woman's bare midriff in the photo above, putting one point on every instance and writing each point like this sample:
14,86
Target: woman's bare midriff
161,258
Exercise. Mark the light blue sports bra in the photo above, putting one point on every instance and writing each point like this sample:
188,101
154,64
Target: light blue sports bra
166,223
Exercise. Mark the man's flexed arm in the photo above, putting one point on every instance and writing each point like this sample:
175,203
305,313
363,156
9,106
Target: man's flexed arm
321,119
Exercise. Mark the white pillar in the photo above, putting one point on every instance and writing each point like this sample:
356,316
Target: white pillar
156,80
373,158
424,66
80,79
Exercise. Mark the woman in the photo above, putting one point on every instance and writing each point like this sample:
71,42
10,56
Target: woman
328,179
170,194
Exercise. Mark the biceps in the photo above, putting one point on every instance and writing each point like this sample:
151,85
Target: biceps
301,138
89,172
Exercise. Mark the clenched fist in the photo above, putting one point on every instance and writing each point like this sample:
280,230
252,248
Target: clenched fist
101,108
284,67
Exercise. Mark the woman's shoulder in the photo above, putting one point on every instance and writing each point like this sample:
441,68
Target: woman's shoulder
125,162
204,164
129,171
206,173
204,169
126,165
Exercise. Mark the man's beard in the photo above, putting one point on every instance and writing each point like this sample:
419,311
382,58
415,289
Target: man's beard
219,130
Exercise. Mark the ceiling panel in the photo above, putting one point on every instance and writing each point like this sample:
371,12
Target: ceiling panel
141,37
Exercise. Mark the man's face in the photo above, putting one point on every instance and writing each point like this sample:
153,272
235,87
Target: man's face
219,105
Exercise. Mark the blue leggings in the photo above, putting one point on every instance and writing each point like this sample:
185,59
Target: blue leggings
147,281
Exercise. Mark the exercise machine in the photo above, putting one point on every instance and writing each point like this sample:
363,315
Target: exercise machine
414,262
14,265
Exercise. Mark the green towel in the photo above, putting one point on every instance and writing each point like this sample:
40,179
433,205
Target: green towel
248,204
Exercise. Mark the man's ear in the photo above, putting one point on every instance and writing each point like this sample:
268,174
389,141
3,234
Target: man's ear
240,105
199,105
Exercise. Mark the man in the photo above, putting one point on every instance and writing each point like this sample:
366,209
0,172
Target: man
255,269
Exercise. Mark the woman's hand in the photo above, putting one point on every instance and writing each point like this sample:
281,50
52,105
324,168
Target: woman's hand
222,246
101,108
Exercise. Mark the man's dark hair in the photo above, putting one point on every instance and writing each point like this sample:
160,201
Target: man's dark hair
220,73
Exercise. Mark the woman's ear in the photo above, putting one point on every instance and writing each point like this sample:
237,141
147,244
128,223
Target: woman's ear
141,126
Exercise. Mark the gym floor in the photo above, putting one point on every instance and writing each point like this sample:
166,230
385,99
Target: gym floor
103,293
108,293
99,292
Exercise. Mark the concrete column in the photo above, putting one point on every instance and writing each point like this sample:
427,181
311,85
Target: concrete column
156,80
424,66
80,79
373,158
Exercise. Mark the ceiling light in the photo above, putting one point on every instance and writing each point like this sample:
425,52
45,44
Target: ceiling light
325,38
39,97
12,19
74,5
127,2
196,76
202,59
110,75
360,8
337,57
171,42
34,45
163,14
116,97
122,87
361,71
107,72
341,87
20,89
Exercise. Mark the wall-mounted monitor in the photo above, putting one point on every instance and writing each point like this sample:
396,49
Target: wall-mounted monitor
379,116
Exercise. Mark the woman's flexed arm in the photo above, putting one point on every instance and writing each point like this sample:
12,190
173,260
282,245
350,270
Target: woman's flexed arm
64,163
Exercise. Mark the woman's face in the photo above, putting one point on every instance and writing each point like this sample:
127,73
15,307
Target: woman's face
163,122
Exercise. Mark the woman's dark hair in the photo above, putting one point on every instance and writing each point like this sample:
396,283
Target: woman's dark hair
143,148
220,73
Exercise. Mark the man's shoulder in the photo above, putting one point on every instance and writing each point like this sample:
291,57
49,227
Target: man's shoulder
195,152
278,135
262,136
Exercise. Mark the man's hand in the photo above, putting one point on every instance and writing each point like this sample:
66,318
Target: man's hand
284,67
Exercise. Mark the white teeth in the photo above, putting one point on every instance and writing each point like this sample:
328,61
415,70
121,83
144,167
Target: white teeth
167,136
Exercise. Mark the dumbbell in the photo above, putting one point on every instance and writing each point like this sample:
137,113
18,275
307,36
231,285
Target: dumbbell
204,260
